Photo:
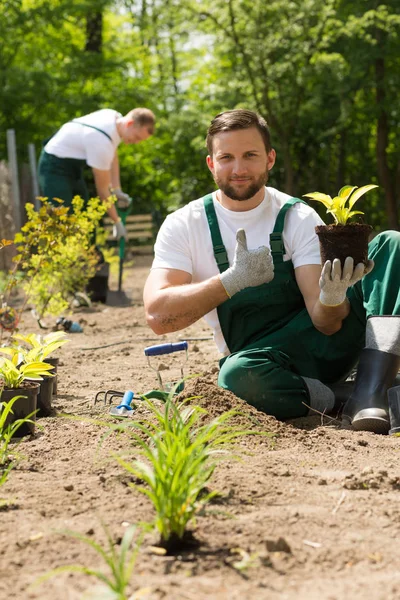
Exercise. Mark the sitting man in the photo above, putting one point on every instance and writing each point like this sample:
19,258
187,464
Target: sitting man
246,257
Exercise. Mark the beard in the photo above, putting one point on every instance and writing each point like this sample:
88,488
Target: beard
254,186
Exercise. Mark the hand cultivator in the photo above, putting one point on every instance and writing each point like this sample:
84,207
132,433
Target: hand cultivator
127,407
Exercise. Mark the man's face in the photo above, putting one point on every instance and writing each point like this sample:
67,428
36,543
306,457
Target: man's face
134,133
240,163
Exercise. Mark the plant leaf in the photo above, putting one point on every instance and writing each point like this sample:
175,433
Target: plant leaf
360,192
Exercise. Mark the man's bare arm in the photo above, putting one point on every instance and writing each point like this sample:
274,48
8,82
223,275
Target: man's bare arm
327,319
172,302
102,180
114,172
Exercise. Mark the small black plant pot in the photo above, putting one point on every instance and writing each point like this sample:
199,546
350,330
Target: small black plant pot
394,409
44,397
97,287
54,362
23,406
341,241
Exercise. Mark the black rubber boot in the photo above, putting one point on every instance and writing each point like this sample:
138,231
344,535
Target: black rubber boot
367,409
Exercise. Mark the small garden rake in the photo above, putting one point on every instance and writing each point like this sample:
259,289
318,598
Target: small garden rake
126,407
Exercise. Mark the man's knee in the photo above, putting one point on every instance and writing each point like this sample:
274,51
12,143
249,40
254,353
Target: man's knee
265,384
389,237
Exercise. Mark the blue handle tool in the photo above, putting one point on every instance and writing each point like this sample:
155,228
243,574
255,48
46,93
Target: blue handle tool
165,348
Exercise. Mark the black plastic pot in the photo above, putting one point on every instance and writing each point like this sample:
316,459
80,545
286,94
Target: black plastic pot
97,287
54,362
23,406
44,397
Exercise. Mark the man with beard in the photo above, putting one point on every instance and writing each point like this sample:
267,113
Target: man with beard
246,258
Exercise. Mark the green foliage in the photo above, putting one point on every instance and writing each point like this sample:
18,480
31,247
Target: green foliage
13,372
179,457
119,560
56,252
7,431
309,68
337,206
40,347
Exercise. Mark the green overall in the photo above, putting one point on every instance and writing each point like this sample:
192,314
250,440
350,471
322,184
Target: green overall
63,177
270,335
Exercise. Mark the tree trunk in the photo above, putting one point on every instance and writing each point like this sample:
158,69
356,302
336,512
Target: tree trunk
94,32
385,175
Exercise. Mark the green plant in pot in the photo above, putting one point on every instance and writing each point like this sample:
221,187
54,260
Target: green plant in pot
342,238
21,378
35,348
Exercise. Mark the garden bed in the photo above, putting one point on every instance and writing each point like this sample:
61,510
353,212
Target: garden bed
312,512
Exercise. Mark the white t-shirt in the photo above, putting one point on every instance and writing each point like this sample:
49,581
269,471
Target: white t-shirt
84,143
184,240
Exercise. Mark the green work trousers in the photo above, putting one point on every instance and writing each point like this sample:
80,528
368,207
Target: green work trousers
268,372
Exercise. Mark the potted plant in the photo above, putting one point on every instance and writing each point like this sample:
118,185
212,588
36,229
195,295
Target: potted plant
38,348
342,239
21,379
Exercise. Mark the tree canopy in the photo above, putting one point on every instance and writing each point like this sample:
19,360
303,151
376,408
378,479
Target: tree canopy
324,73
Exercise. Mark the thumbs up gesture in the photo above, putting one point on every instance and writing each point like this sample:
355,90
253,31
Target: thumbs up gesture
250,268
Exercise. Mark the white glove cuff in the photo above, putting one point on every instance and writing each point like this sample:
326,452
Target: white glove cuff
332,298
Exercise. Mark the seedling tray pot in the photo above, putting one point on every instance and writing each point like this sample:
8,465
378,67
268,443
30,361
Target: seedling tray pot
23,406
341,241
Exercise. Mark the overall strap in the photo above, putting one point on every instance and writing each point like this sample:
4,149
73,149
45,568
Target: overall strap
219,249
92,127
275,238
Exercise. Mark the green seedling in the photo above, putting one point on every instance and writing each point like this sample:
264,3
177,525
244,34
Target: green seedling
340,207
246,561
7,431
120,561
179,457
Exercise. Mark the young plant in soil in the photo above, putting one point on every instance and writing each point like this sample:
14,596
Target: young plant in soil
7,431
342,239
119,560
180,455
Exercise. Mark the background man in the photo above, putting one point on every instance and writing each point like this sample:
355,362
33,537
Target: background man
93,140
246,257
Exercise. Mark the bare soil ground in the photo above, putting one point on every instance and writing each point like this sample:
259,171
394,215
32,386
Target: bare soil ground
313,512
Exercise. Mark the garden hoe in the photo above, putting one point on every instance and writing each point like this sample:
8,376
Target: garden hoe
123,213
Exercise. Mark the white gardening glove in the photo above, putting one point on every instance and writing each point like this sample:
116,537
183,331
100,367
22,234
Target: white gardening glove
123,200
334,283
119,230
250,267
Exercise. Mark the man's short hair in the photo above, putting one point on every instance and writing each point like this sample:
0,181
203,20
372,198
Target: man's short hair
143,116
233,120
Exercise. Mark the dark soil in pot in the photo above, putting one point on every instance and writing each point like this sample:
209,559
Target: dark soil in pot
341,241
23,406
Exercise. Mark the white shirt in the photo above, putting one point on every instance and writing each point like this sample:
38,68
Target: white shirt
84,143
184,240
